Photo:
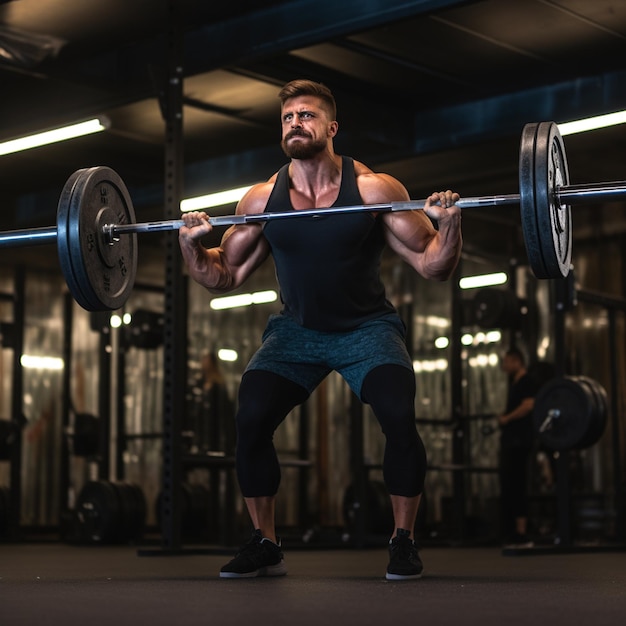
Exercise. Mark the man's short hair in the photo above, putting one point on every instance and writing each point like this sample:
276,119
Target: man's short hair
303,87
517,354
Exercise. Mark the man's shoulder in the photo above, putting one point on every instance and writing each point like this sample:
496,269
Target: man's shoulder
360,169
377,187
256,198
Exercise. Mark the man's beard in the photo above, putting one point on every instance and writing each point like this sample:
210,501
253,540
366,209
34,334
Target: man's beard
300,149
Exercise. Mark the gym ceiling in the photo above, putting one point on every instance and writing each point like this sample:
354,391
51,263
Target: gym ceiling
435,92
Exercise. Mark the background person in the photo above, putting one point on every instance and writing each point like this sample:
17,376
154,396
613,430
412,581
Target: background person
516,442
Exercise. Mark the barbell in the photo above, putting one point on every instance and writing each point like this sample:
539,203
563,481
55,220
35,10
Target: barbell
570,412
96,229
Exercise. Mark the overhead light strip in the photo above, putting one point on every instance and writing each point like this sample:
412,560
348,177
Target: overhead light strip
483,280
54,136
219,198
592,123
243,299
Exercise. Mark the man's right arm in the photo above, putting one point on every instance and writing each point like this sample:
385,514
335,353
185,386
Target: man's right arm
242,249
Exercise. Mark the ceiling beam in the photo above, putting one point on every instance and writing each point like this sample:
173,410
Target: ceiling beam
292,25
132,73
498,116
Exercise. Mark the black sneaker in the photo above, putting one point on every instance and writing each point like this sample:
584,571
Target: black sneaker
404,561
518,540
258,557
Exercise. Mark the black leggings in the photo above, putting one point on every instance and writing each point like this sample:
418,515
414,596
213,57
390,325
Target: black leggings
266,398
513,486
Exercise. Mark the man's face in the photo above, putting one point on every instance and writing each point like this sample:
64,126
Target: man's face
306,127
509,364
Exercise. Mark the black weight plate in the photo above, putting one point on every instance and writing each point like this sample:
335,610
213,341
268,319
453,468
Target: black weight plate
496,308
597,426
100,275
554,221
528,210
63,244
133,509
575,412
589,437
99,513
603,399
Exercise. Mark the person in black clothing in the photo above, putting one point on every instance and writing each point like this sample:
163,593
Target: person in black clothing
335,315
516,441
214,411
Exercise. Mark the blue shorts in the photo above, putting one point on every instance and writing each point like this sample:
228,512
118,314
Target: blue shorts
307,356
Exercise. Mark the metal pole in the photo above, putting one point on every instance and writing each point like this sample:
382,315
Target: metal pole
563,483
17,408
460,428
618,496
66,495
175,326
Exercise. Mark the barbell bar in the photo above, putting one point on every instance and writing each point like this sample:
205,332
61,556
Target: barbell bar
568,194
96,228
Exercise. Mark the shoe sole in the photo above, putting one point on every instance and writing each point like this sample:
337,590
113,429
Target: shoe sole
271,570
389,576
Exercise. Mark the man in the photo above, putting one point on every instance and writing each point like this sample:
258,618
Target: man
516,437
335,315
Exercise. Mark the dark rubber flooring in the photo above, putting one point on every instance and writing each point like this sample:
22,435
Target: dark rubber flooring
58,584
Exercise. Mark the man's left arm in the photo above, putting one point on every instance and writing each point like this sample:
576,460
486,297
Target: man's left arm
521,410
432,251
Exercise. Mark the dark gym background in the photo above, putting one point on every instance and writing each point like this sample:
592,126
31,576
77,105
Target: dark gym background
433,92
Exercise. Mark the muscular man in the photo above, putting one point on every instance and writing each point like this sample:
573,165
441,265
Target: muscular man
335,315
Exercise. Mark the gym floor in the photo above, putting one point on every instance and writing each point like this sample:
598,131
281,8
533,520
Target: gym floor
61,584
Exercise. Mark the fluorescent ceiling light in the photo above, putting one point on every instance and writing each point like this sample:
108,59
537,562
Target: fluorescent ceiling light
436,365
226,354
442,342
467,339
484,360
29,361
53,136
213,199
483,280
243,299
592,123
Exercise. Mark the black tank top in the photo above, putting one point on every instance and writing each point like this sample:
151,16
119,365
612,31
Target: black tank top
328,267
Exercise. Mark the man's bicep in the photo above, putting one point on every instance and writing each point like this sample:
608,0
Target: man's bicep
243,249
